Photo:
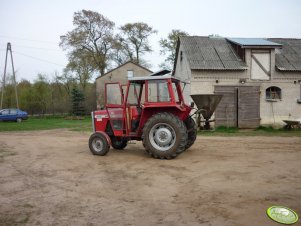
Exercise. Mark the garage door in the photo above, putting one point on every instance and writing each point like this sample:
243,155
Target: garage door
239,106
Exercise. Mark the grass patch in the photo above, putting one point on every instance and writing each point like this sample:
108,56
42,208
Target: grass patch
4,153
11,220
224,129
47,123
260,131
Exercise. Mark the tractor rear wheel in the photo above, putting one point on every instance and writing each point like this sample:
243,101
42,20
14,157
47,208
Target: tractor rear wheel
98,144
192,131
164,136
119,143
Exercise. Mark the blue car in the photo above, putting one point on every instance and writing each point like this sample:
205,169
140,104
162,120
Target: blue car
13,114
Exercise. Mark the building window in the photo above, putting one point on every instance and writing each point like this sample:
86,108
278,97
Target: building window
130,73
260,65
273,93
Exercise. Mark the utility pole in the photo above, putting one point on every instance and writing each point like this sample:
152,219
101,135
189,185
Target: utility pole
8,49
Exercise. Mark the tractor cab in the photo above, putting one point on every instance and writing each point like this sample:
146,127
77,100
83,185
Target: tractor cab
130,106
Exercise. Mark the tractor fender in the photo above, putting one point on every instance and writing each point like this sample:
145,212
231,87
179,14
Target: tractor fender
106,136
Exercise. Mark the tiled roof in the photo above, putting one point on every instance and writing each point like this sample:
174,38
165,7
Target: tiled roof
289,57
210,53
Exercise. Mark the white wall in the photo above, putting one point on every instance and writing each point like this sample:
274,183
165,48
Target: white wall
184,73
270,112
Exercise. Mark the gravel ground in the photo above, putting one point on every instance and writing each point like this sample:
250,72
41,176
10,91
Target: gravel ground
51,178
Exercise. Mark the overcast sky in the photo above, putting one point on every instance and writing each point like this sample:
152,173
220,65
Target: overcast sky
34,26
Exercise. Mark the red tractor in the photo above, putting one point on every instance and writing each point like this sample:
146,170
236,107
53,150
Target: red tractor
152,110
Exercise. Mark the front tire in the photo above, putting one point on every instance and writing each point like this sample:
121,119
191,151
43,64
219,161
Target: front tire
164,136
98,144
119,143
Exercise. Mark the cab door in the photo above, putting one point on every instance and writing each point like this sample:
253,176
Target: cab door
114,102
133,107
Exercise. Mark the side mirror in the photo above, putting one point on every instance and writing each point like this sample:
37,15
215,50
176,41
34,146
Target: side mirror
192,104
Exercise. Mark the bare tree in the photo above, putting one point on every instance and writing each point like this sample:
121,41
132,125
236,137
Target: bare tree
93,34
168,47
120,54
134,39
79,64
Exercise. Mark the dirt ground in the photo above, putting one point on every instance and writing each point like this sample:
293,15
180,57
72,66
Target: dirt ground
51,178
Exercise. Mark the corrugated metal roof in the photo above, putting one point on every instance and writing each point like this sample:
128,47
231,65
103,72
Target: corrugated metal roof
289,57
206,53
248,42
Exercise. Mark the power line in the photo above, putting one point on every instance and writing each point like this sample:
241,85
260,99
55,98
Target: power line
38,48
8,49
25,39
36,58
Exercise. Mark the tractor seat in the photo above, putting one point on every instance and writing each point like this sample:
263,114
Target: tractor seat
135,114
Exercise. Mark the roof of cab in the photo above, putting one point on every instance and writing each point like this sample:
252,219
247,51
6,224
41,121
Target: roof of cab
159,75
147,78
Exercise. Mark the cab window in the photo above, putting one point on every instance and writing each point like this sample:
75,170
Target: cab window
158,91
133,95
175,91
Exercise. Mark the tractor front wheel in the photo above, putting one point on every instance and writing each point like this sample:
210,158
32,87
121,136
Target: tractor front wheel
164,136
98,144
119,143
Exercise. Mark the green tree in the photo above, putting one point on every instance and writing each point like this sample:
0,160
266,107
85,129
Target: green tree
9,95
168,47
78,102
25,95
41,94
67,80
93,34
60,101
134,38
79,64
90,97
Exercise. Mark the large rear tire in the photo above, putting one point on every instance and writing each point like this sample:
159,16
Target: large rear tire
119,143
192,131
164,136
98,144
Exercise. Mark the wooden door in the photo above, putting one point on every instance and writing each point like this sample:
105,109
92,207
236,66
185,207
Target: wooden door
225,113
248,107
239,107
